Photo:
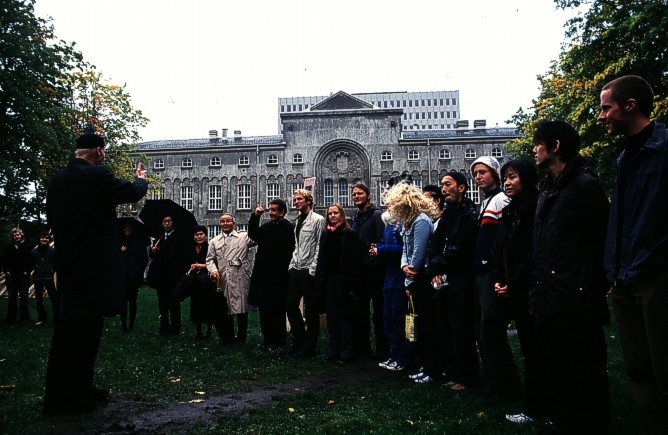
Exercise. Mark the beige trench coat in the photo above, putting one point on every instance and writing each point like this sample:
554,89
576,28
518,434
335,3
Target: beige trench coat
229,255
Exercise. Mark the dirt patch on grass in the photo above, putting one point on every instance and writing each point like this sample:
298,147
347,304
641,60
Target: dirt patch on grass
128,417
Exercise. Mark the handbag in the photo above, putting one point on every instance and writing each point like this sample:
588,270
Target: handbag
411,320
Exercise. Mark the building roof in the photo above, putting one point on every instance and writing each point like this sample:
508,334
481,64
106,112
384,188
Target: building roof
211,143
475,132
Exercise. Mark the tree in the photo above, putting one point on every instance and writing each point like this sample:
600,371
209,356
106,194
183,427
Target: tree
607,40
33,68
48,96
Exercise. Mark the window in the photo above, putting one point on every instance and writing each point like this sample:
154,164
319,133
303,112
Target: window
243,160
413,155
343,192
297,158
295,186
243,197
215,197
444,154
215,161
454,114
212,231
272,159
187,197
242,227
329,192
186,163
447,101
159,164
497,152
474,193
386,156
158,192
469,154
454,101
273,192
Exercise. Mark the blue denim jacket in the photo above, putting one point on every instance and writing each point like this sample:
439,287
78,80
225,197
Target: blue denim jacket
416,239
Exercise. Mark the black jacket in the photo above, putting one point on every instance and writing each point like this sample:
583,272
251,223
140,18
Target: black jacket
512,262
18,260
569,239
269,281
370,227
81,209
451,251
135,258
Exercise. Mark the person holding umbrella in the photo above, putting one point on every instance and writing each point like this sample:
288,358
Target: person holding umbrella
81,205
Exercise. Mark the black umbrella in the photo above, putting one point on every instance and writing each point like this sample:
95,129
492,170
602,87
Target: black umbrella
155,210
138,228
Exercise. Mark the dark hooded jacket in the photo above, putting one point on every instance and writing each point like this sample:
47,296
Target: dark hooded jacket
569,240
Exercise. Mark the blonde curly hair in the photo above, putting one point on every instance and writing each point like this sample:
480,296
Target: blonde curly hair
405,202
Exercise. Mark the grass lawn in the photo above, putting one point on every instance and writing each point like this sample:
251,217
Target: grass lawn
144,370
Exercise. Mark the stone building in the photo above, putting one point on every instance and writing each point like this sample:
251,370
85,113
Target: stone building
340,141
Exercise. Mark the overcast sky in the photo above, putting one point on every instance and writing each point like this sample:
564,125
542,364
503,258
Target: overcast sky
197,65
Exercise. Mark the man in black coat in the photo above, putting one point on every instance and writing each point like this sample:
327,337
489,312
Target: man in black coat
17,267
567,300
269,281
370,227
81,209
169,262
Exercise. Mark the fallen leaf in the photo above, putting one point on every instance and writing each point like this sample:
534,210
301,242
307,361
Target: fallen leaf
173,379
196,401
330,402
200,392
7,387
410,422
481,414
291,409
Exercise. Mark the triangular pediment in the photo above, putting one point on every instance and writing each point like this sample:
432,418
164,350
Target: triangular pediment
341,101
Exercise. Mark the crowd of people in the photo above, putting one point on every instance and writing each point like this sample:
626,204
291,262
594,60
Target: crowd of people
540,254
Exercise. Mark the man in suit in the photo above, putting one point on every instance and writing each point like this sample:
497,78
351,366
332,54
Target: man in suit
81,210
169,256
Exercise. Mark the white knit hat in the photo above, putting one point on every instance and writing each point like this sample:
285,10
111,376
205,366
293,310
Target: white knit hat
488,161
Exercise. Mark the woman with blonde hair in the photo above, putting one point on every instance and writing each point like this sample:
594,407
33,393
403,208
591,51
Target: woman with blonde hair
410,208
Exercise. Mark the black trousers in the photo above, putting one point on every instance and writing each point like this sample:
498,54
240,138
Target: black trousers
371,298
168,310
339,320
272,325
302,285
69,371
573,362
641,310
50,287
456,339
131,293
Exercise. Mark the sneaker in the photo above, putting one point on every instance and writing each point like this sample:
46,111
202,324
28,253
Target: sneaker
520,418
384,364
394,366
426,379
418,374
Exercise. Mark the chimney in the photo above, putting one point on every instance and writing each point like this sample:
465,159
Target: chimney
479,123
213,134
237,133
224,133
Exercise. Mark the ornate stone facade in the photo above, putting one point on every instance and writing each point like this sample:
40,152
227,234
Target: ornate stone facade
341,141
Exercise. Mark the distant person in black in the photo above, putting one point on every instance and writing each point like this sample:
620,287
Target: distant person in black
42,277
17,266
269,281
81,209
134,251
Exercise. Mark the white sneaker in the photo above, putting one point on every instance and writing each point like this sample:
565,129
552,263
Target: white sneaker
426,379
394,366
520,418
384,363
419,374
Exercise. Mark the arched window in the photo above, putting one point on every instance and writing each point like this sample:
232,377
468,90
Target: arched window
470,153
243,161
497,153
272,159
186,163
297,158
215,161
329,192
386,156
413,155
159,164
